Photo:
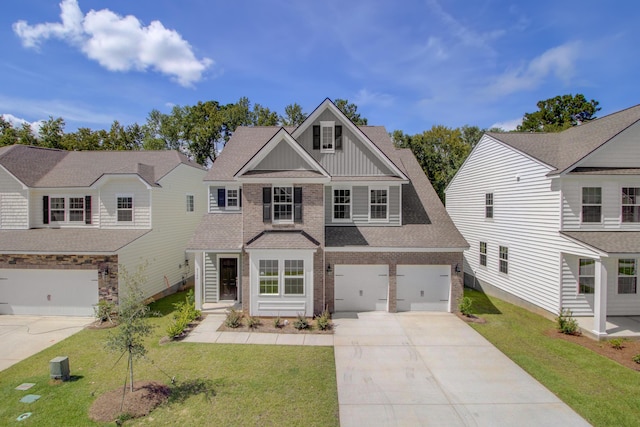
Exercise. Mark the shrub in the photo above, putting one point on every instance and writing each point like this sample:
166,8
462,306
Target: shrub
301,322
176,328
464,305
617,343
566,323
276,322
253,322
233,319
324,321
104,310
636,358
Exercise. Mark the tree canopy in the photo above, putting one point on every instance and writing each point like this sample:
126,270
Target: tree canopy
351,111
559,113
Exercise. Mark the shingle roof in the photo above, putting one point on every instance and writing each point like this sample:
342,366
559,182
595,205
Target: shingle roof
49,168
282,239
218,231
66,240
563,149
611,242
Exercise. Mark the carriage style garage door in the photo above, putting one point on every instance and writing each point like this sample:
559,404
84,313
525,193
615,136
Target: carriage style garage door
423,287
48,292
361,287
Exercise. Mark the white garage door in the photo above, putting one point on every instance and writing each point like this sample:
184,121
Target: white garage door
48,292
423,287
361,287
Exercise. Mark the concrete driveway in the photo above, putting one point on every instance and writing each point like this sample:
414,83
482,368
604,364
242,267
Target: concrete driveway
24,336
418,369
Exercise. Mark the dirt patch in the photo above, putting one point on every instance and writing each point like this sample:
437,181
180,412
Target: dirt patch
286,327
623,356
146,396
101,325
472,318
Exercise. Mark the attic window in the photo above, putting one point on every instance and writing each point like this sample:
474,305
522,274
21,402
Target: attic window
327,140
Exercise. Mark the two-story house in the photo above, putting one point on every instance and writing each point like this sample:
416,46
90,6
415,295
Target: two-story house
70,220
553,219
325,215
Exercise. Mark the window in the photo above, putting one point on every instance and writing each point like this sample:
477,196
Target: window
483,253
233,198
591,204
342,204
378,204
488,205
587,276
504,260
631,204
282,204
76,209
125,208
268,276
190,203
294,277
627,276
327,133
57,209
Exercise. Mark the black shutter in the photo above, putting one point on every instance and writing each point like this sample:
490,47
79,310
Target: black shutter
87,209
240,197
297,204
316,137
266,204
221,198
338,134
45,209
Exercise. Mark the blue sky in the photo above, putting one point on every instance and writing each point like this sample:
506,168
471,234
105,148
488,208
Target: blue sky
408,65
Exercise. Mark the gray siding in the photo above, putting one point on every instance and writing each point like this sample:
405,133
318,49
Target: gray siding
210,278
283,157
621,152
360,206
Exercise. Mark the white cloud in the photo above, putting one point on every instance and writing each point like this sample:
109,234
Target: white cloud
120,43
558,61
17,122
508,125
364,98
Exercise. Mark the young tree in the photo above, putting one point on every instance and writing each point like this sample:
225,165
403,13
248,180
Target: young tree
133,319
559,113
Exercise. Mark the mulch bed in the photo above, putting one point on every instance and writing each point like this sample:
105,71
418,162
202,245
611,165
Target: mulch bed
147,395
471,318
266,326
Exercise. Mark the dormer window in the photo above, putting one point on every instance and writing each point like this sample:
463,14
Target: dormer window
327,137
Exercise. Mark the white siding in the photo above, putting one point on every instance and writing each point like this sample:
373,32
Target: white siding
621,152
210,278
526,220
121,186
36,201
164,246
14,202
579,304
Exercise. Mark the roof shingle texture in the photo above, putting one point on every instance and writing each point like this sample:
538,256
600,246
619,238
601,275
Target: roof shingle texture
66,240
218,231
612,242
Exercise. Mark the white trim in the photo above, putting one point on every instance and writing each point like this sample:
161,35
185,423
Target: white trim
378,188
226,198
273,205
106,176
328,125
341,188
235,256
133,211
390,249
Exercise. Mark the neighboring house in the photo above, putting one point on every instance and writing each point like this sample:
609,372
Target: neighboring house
554,218
326,215
69,220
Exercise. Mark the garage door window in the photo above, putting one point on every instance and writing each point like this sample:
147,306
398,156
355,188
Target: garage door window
294,277
268,276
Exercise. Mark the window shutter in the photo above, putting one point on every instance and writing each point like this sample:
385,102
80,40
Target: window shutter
266,204
316,137
45,209
338,135
297,204
240,197
221,198
87,209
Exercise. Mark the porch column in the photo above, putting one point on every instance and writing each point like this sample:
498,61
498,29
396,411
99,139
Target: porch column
600,300
198,279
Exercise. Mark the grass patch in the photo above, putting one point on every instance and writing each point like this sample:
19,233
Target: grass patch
600,390
216,384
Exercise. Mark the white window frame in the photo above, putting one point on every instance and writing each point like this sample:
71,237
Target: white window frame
329,147
269,277
489,201
67,209
296,276
379,188
227,191
190,200
503,262
590,274
273,205
633,277
131,209
63,209
582,195
81,209
483,254
334,204
635,197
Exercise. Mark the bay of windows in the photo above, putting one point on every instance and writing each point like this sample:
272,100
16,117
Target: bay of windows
270,276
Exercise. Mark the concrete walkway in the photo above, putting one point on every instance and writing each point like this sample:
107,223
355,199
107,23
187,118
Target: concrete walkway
417,369
24,336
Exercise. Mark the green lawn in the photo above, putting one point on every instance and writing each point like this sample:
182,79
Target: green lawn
604,392
253,384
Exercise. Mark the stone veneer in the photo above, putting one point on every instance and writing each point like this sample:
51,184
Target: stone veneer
107,284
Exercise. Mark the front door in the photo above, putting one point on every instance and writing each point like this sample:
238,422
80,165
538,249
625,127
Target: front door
228,278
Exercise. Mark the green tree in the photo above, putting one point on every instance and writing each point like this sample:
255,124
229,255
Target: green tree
351,111
202,129
8,134
263,116
559,113
133,320
25,135
82,139
51,133
293,115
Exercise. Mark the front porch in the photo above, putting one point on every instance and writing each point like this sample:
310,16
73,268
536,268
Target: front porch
617,327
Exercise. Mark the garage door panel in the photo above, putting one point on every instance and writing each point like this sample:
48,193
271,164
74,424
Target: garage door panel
423,287
48,292
361,287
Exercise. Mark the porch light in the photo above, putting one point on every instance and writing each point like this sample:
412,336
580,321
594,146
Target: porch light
457,268
328,268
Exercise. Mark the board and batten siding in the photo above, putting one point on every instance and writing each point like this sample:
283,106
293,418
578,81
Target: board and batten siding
282,157
360,205
163,248
354,159
36,201
526,220
14,202
122,186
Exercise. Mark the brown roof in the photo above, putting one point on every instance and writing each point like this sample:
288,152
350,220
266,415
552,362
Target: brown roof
611,242
49,168
66,240
218,231
283,174
563,149
282,239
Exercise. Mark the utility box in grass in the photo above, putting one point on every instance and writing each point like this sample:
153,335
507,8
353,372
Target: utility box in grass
59,367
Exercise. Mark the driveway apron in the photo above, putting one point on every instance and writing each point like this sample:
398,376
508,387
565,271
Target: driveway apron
419,369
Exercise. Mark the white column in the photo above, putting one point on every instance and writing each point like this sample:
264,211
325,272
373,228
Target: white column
198,279
600,300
